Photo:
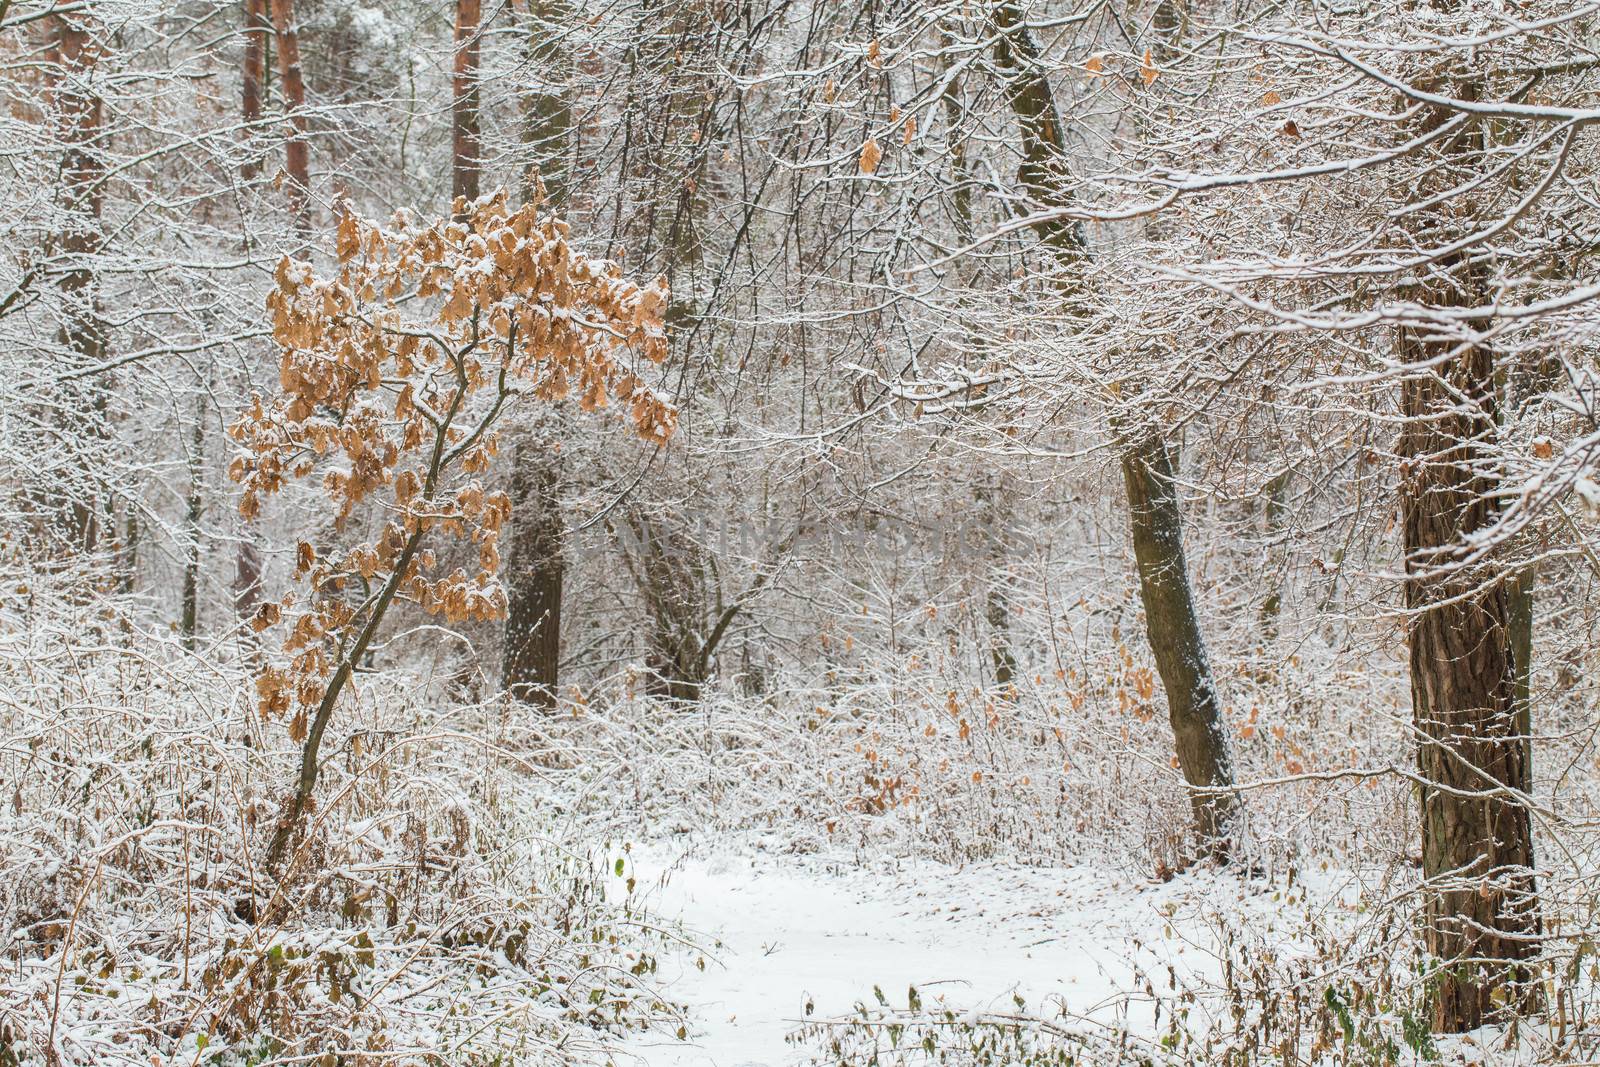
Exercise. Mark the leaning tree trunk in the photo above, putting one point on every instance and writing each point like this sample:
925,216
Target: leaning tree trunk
1148,466
1149,469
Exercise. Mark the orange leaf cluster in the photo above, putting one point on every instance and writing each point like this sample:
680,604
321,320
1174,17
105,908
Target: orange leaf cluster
395,368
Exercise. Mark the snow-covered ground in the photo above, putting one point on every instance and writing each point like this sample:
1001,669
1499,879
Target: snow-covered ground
795,930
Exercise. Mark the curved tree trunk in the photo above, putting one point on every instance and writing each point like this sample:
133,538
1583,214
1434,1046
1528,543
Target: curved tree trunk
1148,465
1204,754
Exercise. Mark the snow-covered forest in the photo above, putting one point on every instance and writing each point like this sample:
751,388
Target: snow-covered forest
742,533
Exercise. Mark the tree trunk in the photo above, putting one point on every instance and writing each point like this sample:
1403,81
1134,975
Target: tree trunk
994,508
1277,491
466,146
546,108
1149,469
1042,171
79,114
297,152
534,574
1519,597
256,30
1480,903
189,618
536,567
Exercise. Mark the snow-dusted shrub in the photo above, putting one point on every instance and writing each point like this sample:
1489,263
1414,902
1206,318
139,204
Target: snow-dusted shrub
440,918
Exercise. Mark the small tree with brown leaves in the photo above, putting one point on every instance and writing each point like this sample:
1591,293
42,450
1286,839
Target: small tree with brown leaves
395,371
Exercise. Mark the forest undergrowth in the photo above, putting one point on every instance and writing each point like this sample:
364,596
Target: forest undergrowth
456,898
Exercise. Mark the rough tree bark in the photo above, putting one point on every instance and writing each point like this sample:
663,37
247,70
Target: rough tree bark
1481,916
536,566
1481,910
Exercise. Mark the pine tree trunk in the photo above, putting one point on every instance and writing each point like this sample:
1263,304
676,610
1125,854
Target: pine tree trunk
256,29
466,148
297,152
534,574
1149,468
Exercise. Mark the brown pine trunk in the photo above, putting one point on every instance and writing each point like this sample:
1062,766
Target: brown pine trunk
297,152
532,653
466,147
1149,468
80,117
256,29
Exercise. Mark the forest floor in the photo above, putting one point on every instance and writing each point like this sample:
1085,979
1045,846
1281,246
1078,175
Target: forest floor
788,935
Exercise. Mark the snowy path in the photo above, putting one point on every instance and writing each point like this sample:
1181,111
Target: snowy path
793,931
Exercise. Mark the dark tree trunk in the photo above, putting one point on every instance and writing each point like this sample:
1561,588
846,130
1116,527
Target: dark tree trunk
79,114
536,565
1042,171
534,574
1519,598
189,618
546,108
1480,904
257,30
466,146
1149,469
